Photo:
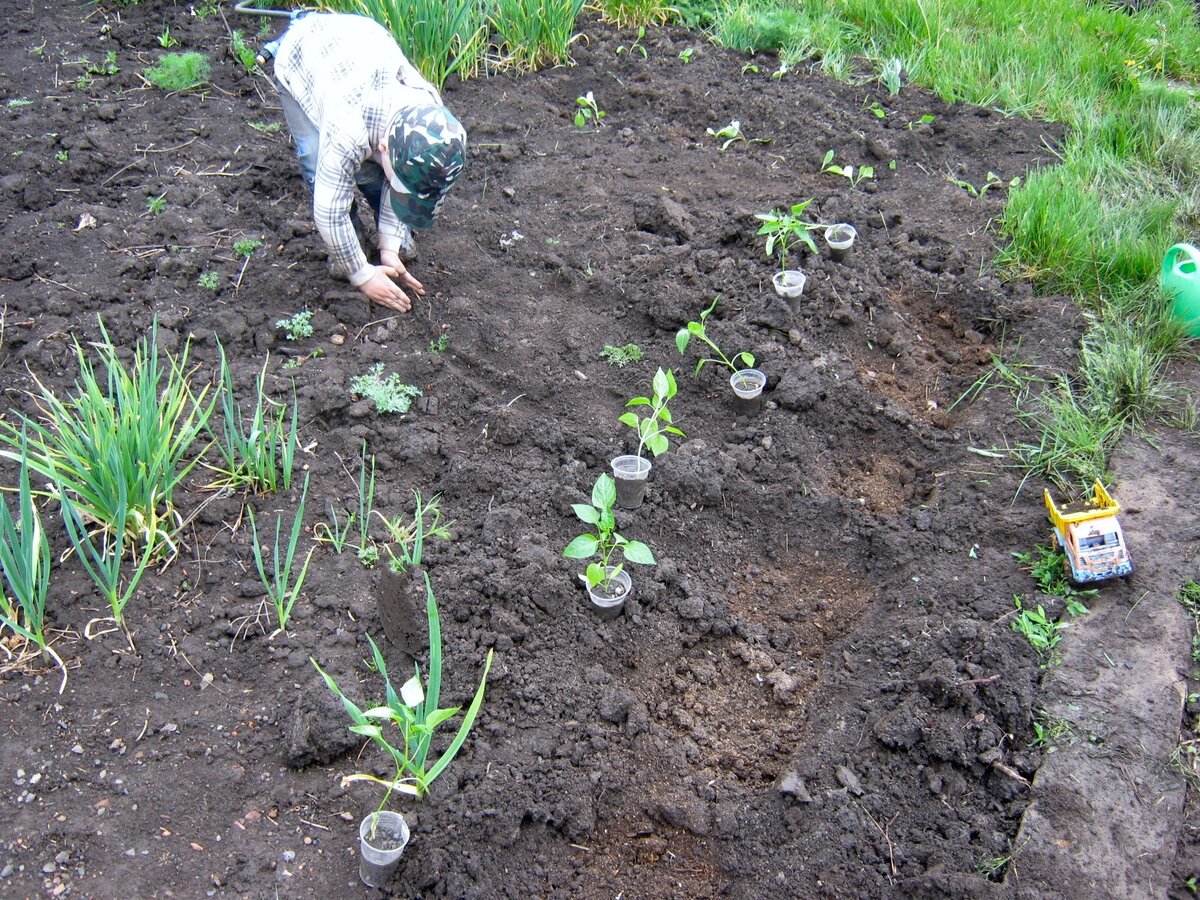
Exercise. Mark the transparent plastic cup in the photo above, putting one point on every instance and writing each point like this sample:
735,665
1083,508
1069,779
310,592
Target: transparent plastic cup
609,603
382,837
840,239
630,473
748,383
789,284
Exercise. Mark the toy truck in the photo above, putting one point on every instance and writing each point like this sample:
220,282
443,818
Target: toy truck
1091,536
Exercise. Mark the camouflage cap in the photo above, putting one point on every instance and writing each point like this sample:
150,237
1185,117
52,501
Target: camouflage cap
427,147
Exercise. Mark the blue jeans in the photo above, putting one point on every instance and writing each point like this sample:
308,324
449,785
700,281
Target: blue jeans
369,178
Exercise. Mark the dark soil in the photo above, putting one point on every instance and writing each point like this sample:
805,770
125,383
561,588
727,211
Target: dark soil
816,691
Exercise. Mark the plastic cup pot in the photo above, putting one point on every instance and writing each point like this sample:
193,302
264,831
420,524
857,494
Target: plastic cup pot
382,837
608,600
789,284
630,473
748,384
840,238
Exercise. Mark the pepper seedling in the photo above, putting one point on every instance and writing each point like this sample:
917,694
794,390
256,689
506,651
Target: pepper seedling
786,229
653,428
605,540
697,329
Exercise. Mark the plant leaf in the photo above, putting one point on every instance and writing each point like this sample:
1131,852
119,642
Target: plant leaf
582,547
586,513
637,552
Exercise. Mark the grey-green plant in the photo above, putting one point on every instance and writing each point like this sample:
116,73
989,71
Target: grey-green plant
390,394
101,553
297,326
120,444
210,281
414,713
25,563
621,356
699,330
155,205
179,71
603,542
854,175
787,228
283,588
587,112
891,74
653,428
18,102
733,134
258,452
533,34
408,534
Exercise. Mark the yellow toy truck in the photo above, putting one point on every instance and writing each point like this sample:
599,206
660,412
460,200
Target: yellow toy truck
1091,536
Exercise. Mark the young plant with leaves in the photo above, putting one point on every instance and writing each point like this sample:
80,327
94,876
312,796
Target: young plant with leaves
786,229
586,111
605,541
850,173
653,428
733,134
409,536
415,715
699,330
282,590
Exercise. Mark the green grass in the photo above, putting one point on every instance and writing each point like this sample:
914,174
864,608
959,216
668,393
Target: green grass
533,34
179,71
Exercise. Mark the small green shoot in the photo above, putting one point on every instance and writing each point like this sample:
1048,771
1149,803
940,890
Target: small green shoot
390,395
636,45
621,356
209,281
993,181
786,229
242,52
297,327
876,109
409,535
166,40
653,428
732,134
440,344
587,112
686,54
850,173
179,71
266,127
605,540
155,205
927,119
281,588
742,360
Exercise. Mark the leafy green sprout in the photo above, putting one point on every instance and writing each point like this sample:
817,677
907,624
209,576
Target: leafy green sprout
266,127
926,119
415,714
621,356
336,532
440,344
604,542
749,69
179,71
636,45
282,590
62,156
993,181
698,329
653,428
246,246
18,102
876,109
1048,567
242,52
686,54
854,175
409,535
786,229
166,40
296,327
155,205
390,395
209,281
732,134
587,112
1042,632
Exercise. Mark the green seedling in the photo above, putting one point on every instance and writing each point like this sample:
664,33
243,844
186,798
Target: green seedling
732,134
621,356
18,102
876,109
587,112
783,69
62,156
166,40
390,395
683,337
440,344
297,327
266,127
686,55
179,71
281,589
155,205
749,69
258,455
243,53
604,541
209,281
993,181
850,173
246,247
1042,633
891,75
409,535
926,119
1047,566
415,714
636,46
25,563
786,229
1049,731
336,533
653,428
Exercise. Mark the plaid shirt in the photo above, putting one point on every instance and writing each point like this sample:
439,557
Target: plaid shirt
343,71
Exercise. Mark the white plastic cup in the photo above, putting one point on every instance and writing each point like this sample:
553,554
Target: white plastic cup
789,284
382,837
630,473
748,383
608,604
840,238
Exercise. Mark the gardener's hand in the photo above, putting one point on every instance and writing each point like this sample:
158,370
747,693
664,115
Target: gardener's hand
381,289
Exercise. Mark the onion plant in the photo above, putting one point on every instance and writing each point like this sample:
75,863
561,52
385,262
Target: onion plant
439,37
258,455
414,713
634,13
120,444
409,536
533,34
282,590
25,563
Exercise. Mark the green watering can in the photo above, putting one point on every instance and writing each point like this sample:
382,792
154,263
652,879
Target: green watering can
1181,282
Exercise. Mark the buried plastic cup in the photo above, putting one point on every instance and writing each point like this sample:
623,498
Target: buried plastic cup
630,473
382,837
789,284
748,383
608,600
840,238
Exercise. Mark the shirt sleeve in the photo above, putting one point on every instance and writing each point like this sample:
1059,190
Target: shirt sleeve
333,193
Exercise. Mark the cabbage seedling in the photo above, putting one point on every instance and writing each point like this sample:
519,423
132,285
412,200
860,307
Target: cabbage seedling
742,360
605,540
732,134
854,176
587,111
653,428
